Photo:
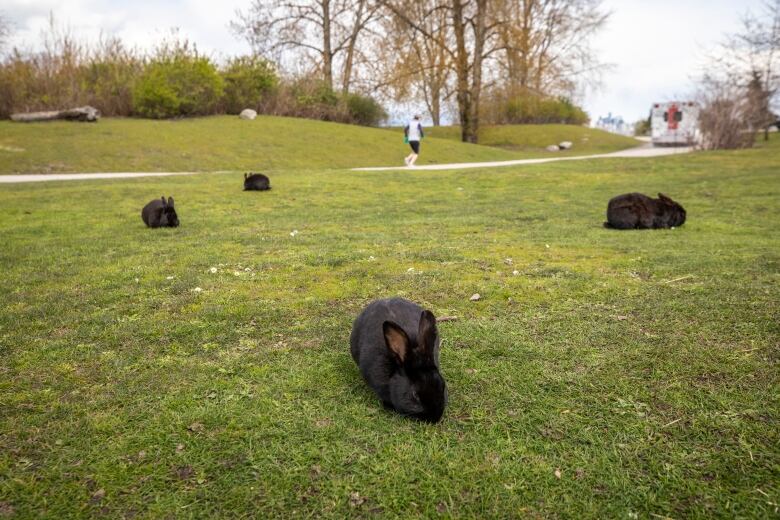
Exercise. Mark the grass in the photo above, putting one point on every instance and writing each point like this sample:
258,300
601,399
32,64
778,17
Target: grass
603,374
533,139
212,143
267,144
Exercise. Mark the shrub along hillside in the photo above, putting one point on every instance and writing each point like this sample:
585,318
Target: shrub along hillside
174,80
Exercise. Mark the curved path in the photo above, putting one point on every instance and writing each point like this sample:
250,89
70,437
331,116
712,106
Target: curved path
646,150
640,151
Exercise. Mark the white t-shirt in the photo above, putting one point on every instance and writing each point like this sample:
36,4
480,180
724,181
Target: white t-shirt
415,130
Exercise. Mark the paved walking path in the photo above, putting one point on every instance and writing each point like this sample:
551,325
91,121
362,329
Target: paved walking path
640,151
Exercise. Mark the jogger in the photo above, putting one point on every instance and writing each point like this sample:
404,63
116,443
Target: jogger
413,134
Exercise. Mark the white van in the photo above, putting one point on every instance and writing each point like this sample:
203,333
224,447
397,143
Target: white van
674,123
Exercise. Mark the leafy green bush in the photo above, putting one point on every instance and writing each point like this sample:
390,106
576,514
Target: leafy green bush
642,127
178,82
364,110
248,81
536,109
315,97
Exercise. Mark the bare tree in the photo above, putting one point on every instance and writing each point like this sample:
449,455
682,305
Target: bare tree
761,35
510,46
470,42
5,31
325,33
546,44
723,115
742,80
411,65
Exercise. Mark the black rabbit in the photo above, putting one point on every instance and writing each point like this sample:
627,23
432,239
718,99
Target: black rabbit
256,182
396,346
160,213
637,211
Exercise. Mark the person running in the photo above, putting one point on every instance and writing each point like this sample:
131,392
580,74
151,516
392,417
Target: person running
413,134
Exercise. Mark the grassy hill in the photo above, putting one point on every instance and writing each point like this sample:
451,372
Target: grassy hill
268,143
204,371
534,139
213,143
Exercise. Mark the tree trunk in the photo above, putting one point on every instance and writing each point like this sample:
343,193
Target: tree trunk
436,108
348,61
327,50
476,66
468,132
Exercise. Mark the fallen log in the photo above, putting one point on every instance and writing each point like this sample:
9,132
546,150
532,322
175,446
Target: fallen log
85,113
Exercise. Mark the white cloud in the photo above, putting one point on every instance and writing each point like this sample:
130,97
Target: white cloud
657,49
141,23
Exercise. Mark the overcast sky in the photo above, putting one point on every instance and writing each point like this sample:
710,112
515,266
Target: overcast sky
655,46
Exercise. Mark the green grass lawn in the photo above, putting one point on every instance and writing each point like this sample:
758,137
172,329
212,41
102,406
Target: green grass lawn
603,374
533,139
214,143
266,144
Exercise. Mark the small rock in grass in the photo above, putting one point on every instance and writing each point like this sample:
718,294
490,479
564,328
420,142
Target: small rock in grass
6,510
197,290
293,232
196,427
553,148
355,499
565,145
185,472
475,297
557,473
97,496
213,270
248,114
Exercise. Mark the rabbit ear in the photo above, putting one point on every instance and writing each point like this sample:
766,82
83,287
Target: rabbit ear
170,202
163,200
396,340
246,176
426,335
